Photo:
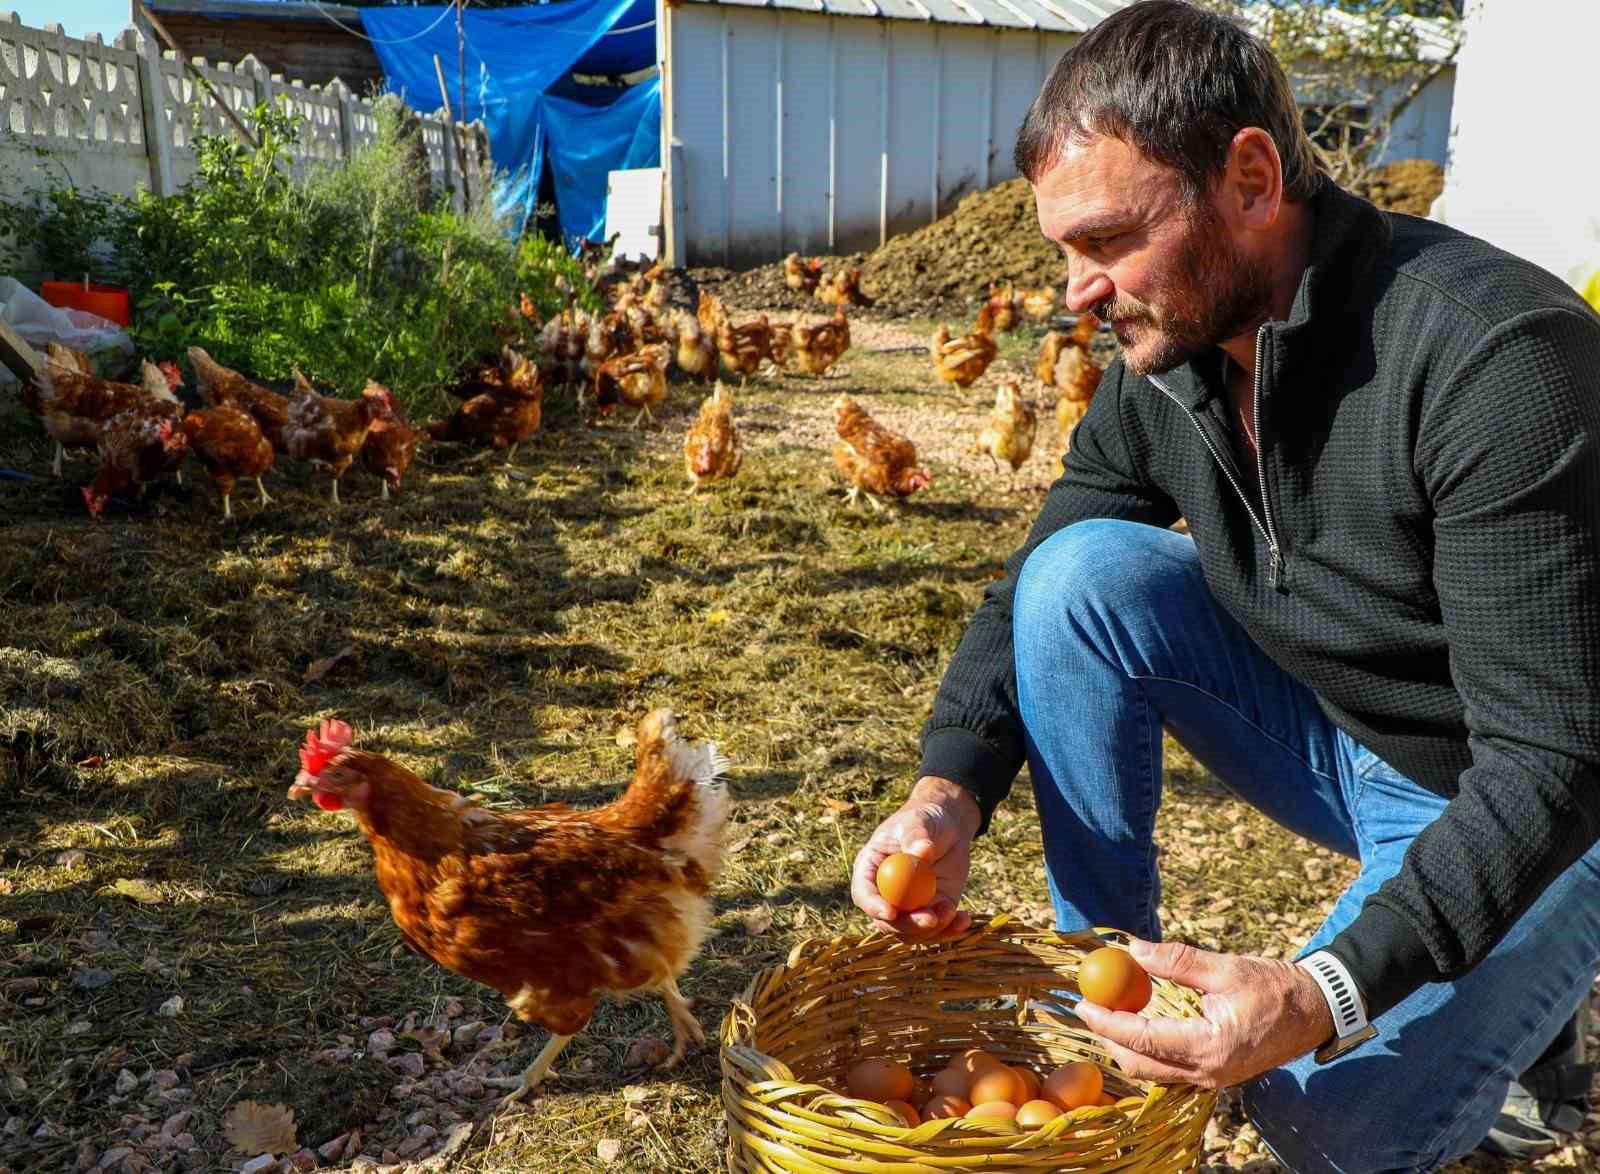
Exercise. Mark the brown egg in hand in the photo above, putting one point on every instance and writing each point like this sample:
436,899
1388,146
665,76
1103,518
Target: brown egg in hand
1109,976
906,882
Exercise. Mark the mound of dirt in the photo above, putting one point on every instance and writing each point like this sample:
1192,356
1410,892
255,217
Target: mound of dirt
942,269
1406,185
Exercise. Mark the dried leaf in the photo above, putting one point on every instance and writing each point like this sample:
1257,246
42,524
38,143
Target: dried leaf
318,669
625,736
839,807
254,1128
609,1149
93,762
757,921
141,891
648,1051
719,615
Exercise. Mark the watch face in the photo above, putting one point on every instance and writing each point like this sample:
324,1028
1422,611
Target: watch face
1340,1044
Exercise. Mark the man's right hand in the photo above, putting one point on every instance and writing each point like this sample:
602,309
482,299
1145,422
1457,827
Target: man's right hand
936,824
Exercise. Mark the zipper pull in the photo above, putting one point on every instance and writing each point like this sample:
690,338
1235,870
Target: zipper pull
1275,570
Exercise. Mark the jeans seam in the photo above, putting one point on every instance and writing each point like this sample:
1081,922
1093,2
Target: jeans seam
1148,815
1274,739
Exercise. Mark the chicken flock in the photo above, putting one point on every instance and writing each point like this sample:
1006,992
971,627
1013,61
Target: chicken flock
619,358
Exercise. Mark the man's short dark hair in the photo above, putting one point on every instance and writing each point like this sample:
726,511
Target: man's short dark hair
1177,82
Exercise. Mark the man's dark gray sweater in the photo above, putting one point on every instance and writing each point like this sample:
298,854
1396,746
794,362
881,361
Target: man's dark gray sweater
1426,559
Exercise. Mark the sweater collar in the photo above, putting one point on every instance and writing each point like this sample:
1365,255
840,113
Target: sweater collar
1348,237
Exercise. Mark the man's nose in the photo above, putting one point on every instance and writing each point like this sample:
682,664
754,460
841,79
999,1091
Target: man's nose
1086,288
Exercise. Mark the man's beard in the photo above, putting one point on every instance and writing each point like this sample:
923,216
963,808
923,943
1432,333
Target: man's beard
1215,293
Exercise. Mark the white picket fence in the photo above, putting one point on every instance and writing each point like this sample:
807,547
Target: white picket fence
123,116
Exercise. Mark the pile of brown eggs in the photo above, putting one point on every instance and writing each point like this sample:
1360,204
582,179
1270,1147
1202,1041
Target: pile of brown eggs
978,1085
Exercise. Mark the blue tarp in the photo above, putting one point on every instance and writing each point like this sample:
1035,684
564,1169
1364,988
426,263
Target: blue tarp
586,142
513,56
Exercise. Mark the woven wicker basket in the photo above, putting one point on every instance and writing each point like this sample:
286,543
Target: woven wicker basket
789,1039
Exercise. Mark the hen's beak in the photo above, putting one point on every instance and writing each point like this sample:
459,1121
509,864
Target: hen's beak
302,788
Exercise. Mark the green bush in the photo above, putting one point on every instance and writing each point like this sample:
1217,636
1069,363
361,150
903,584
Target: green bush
357,271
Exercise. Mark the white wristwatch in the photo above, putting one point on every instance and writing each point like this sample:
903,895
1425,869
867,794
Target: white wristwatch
1350,1026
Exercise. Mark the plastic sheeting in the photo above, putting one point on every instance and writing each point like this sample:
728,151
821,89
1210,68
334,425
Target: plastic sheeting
586,143
513,55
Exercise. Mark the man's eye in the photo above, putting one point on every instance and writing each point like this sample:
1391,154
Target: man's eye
1100,242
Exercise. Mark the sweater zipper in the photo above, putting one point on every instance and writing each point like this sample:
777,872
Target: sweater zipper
1275,566
1275,556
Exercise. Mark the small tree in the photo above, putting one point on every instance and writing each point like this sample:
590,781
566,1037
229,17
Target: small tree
1356,65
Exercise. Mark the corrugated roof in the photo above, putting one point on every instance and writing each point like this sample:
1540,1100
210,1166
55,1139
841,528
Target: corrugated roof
257,9
1056,16
1435,40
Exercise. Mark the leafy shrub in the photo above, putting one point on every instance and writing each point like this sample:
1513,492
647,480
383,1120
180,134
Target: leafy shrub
353,272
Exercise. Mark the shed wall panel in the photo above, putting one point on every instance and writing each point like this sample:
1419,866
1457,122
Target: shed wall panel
695,106
858,159
965,112
752,116
915,82
806,82
800,132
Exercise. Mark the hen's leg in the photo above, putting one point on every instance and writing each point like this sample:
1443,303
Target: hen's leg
385,489
227,510
537,1071
336,491
55,465
264,498
685,1027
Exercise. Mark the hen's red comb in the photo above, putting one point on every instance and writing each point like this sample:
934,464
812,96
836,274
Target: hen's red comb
323,745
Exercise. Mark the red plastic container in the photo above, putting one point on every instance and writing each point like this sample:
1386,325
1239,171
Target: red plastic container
108,301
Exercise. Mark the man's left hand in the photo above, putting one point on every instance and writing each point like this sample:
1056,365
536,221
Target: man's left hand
1255,1014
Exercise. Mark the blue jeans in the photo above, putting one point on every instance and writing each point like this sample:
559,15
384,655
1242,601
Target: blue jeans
1117,636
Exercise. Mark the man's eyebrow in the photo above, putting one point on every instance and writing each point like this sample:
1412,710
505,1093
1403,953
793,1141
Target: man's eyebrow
1095,225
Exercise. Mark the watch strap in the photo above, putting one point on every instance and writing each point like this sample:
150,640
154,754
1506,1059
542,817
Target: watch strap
1350,1026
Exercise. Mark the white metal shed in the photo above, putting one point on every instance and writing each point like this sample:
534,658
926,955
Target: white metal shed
831,125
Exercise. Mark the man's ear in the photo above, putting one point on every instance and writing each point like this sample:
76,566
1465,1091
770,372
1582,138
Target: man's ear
1253,181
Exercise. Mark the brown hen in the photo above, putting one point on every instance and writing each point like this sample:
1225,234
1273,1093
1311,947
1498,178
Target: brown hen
550,906
875,461
228,442
712,449
964,359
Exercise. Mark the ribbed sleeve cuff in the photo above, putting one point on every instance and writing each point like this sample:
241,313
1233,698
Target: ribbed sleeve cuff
1385,956
964,758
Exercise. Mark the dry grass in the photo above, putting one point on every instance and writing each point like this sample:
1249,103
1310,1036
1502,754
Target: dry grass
503,624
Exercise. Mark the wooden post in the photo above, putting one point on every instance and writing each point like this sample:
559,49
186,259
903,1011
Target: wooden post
152,105
448,149
25,362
